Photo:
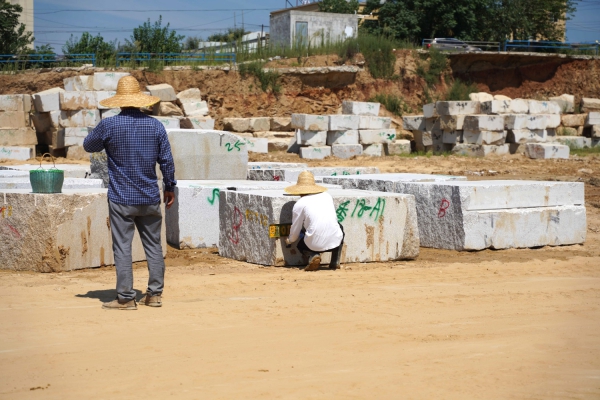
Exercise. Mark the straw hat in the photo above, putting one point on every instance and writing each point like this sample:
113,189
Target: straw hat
129,95
305,185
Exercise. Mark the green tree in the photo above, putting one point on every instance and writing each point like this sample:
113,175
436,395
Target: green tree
44,49
231,35
87,44
192,42
13,38
339,6
154,38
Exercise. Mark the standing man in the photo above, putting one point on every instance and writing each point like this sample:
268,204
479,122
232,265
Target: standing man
134,143
315,223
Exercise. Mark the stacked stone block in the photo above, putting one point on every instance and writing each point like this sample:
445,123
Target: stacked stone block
262,134
17,138
290,174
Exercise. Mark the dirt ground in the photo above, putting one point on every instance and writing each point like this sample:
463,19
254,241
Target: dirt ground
519,323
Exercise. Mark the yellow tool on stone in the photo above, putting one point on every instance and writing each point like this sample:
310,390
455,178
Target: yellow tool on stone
279,230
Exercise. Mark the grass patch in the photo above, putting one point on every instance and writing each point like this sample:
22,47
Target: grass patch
587,151
394,104
267,79
460,91
438,62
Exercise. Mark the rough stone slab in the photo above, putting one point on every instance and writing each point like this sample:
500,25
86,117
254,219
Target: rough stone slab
373,150
385,182
519,106
291,174
315,152
346,151
59,232
523,121
589,104
73,141
454,122
378,226
433,125
236,124
496,107
567,131
15,102
195,109
341,122
430,111
311,138
80,83
552,121
72,101
342,137
452,137
543,107
414,123
71,170
281,124
501,97
197,123
8,174
458,107
18,137
377,136
526,136
483,123
107,80
399,147
370,122
274,165
110,112
310,122
259,124
360,108
164,91
478,150
76,132
481,97
574,142
423,140
573,120
205,154
47,100
77,152
192,94
17,152
257,145
198,200
566,102
14,119
168,122
81,118
166,109
547,151
593,118
69,183
484,137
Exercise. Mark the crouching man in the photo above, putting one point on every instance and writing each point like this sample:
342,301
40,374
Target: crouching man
314,223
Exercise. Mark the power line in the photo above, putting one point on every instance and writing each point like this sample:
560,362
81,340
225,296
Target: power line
158,10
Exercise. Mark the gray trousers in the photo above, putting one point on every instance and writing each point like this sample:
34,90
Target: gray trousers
148,220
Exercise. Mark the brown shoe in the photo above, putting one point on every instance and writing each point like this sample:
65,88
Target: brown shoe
151,301
313,262
116,305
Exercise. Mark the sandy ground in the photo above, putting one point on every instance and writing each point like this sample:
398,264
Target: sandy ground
519,324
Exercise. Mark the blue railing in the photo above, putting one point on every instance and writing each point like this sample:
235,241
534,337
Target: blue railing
47,58
548,46
171,57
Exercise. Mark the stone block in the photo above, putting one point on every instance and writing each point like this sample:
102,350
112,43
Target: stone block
110,112
293,146
342,137
43,122
274,165
595,131
69,183
8,174
523,121
259,124
107,80
77,152
414,123
519,106
59,232
315,152
343,122
163,91
399,147
72,101
566,102
166,109
168,122
197,123
54,138
15,102
458,107
430,111
547,151
484,137
481,97
552,121
81,118
574,142
70,170
543,107
589,105
47,100
206,154
192,95
290,174
573,120
257,145
453,122
195,109
282,124
198,200
526,136
452,137
80,83
385,182
567,131
501,97
433,125
423,140
236,124
346,151
517,148
14,119
483,123
80,132
73,140
593,118
360,108
17,152
18,137
377,136
311,138
478,150
496,107
370,122
99,167
373,150
378,226
310,122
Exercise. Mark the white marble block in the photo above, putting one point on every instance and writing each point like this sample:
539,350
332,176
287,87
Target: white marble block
15,102
371,122
360,108
256,145
399,147
496,107
47,100
483,123
80,83
484,137
373,150
454,122
14,119
342,137
526,136
18,137
458,107
82,100
414,123
593,118
168,122
346,151
315,152
376,136
311,138
107,80
478,150
543,107
430,111
195,109
309,122
341,122
81,118
17,152
547,150
290,174
525,121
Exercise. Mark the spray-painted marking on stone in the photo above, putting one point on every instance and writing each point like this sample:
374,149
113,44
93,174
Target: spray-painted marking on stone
215,194
6,211
237,145
443,207
253,216
360,208
342,210
276,178
12,229
237,215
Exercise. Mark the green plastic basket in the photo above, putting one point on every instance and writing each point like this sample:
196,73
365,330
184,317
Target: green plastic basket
46,180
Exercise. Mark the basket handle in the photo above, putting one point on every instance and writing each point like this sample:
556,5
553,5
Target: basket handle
42,159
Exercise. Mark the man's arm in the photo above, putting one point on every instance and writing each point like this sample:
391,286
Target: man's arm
297,222
94,142
167,166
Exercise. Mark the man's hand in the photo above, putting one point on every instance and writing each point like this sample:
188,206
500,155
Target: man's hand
169,198
287,241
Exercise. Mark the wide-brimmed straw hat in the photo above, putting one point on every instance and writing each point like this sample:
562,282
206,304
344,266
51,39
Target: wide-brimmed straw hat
129,95
305,185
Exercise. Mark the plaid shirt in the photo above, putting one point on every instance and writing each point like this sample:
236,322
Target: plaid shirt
134,143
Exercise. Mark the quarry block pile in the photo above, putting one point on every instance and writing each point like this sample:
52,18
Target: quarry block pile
290,174
262,134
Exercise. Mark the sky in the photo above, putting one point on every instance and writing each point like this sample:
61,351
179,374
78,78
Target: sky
56,20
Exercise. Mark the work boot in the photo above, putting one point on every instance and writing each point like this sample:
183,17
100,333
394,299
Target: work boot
116,304
151,300
313,262
335,259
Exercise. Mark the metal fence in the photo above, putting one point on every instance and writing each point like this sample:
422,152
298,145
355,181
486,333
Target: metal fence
533,46
33,59
175,57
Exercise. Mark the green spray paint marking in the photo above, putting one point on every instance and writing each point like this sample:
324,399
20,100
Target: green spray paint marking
342,211
237,145
215,193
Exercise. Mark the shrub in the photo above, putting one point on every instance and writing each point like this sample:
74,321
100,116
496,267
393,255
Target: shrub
460,91
392,103
379,55
267,79
437,64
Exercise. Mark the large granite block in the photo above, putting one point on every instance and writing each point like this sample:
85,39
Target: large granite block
399,147
164,91
14,119
589,104
79,83
543,107
343,122
195,108
256,145
47,100
58,232
107,80
377,136
496,107
72,101
526,136
414,123
573,120
197,123
373,150
484,137
574,142
69,183
547,151
275,165
378,226
525,121
70,170
480,150
310,122
9,174
315,153
342,137
281,124
17,152
430,111
15,102
593,118
371,122
346,151
311,138
483,123
452,137
385,182
360,108
18,137
458,107
566,102
168,122
236,124
81,118
454,122
291,174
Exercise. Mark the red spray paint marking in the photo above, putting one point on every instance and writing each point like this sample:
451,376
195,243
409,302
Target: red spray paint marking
443,207
237,214
16,232
276,178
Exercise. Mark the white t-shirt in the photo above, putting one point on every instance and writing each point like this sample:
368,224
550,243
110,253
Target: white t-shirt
316,213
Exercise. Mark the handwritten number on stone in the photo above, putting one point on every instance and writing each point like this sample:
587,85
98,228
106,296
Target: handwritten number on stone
237,215
443,207
215,195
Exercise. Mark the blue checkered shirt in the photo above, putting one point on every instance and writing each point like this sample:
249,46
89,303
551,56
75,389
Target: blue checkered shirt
134,143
